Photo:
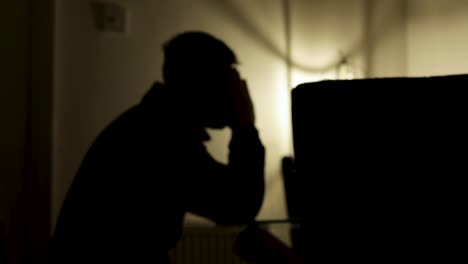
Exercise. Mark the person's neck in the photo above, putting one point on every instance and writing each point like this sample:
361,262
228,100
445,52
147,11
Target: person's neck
166,99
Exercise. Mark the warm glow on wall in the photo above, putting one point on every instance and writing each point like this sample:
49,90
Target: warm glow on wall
343,71
283,112
298,77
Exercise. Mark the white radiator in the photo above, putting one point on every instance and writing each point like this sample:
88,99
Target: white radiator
206,245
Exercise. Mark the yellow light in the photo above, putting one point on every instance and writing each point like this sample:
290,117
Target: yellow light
300,77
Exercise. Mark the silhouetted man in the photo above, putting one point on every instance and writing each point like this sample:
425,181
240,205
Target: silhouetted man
149,167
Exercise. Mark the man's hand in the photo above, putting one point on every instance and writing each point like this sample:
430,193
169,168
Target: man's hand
242,114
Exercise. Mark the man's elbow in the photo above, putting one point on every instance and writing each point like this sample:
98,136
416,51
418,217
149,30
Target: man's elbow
245,212
239,218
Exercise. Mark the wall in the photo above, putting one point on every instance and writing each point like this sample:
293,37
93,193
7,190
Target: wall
322,34
437,37
100,75
386,38
369,34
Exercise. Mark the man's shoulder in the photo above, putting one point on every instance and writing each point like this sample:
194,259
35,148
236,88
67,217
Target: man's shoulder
126,129
126,121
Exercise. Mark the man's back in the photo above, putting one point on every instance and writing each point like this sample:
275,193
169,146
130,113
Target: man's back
142,174
124,191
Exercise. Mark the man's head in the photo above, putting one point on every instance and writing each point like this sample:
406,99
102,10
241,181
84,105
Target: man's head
199,68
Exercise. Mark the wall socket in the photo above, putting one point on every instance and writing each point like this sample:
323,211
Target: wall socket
109,17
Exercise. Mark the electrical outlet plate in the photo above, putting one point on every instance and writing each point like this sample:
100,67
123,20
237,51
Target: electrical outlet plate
110,17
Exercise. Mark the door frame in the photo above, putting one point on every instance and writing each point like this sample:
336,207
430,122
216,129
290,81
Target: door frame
36,189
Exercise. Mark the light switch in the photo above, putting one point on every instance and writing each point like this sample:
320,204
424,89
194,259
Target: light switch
110,17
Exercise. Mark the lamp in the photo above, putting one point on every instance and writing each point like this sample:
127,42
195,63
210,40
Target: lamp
345,70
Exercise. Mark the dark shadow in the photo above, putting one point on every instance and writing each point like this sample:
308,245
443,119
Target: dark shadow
3,256
246,24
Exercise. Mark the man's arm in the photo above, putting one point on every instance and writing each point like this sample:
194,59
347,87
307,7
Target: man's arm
232,193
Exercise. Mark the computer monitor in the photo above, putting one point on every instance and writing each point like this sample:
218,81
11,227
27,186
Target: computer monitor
381,161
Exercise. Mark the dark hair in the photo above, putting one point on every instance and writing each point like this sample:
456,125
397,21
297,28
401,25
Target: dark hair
193,50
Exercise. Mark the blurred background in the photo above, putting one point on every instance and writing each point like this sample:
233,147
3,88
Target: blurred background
70,66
